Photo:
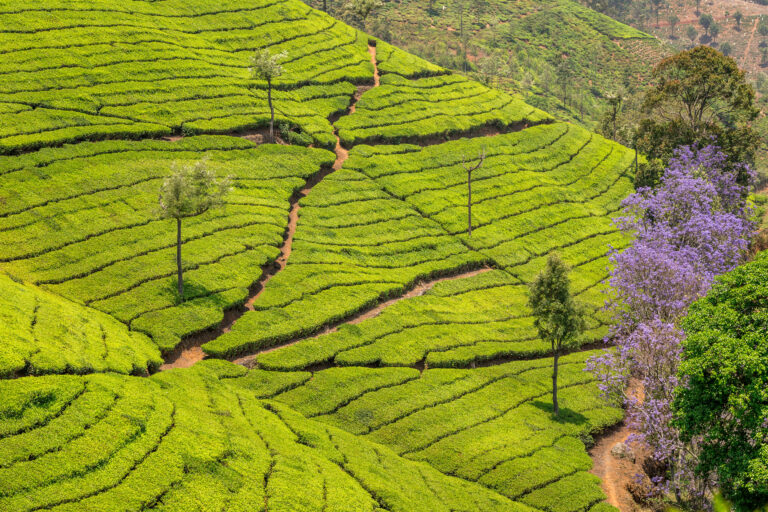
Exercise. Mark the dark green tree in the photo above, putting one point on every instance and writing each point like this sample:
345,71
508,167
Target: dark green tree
737,16
691,34
706,21
714,30
673,21
723,404
726,49
762,28
557,317
699,96
190,190
265,66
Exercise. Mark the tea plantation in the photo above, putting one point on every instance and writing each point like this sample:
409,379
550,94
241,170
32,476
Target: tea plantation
389,361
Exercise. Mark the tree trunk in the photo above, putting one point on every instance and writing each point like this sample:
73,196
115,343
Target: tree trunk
325,7
272,112
469,203
555,406
178,258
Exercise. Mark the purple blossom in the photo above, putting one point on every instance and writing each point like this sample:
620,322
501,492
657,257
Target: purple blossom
690,229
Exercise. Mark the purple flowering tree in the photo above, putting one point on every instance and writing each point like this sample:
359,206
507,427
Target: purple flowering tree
691,228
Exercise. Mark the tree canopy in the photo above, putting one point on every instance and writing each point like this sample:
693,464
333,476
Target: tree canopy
725,400
700,97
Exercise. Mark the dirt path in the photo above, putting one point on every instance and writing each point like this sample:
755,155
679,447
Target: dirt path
420,289
749,43
189,351
615,474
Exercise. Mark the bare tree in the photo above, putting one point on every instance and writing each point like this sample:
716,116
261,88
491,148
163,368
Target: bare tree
265,66
470,169
189,191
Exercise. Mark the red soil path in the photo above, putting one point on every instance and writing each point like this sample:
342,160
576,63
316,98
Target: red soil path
189,351
616,474
420,289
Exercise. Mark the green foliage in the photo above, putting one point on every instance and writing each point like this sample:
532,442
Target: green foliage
43,333
725,370
191,190
699,95
558,319
265,66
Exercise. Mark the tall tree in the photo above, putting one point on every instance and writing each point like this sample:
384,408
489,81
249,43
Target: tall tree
362,9
265,66
610,118
698,95
737,16
724,365
706,21
187,192
557,317
714,30
673,21
470,169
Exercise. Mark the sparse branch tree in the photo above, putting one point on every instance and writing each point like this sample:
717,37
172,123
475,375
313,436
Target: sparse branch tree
558,318
265,66
190,190
615,101
470,169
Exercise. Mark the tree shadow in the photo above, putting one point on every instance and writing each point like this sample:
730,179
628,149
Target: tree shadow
566,415
192,291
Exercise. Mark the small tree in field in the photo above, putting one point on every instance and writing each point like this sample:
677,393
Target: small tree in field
714,31
189,191
469,169
737,16
558,318
706,21
265,66
673,21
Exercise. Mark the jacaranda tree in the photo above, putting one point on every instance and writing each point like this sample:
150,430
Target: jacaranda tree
692,227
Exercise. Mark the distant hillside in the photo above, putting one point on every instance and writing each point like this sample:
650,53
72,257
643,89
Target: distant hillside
561,56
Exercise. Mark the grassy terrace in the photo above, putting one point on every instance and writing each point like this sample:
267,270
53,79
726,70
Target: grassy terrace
199,439
79,221
398,214
94,70
44,333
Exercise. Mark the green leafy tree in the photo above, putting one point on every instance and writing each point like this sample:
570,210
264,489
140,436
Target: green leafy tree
691,33
187,192
698,95
265,66
362,9
723,405
558,318
737,16
706,21
609,124
726,49
714,30
762,29
673,21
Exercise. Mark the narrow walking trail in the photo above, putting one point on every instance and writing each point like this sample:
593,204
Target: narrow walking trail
419,289
189,351
749,43
615,474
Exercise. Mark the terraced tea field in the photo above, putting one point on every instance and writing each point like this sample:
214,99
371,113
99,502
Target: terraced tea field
388,360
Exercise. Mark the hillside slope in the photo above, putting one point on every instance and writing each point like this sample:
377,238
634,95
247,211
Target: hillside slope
559,55
347,278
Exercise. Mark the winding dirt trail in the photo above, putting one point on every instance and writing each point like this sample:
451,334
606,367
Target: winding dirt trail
189,351
749,43
615,474
420,288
